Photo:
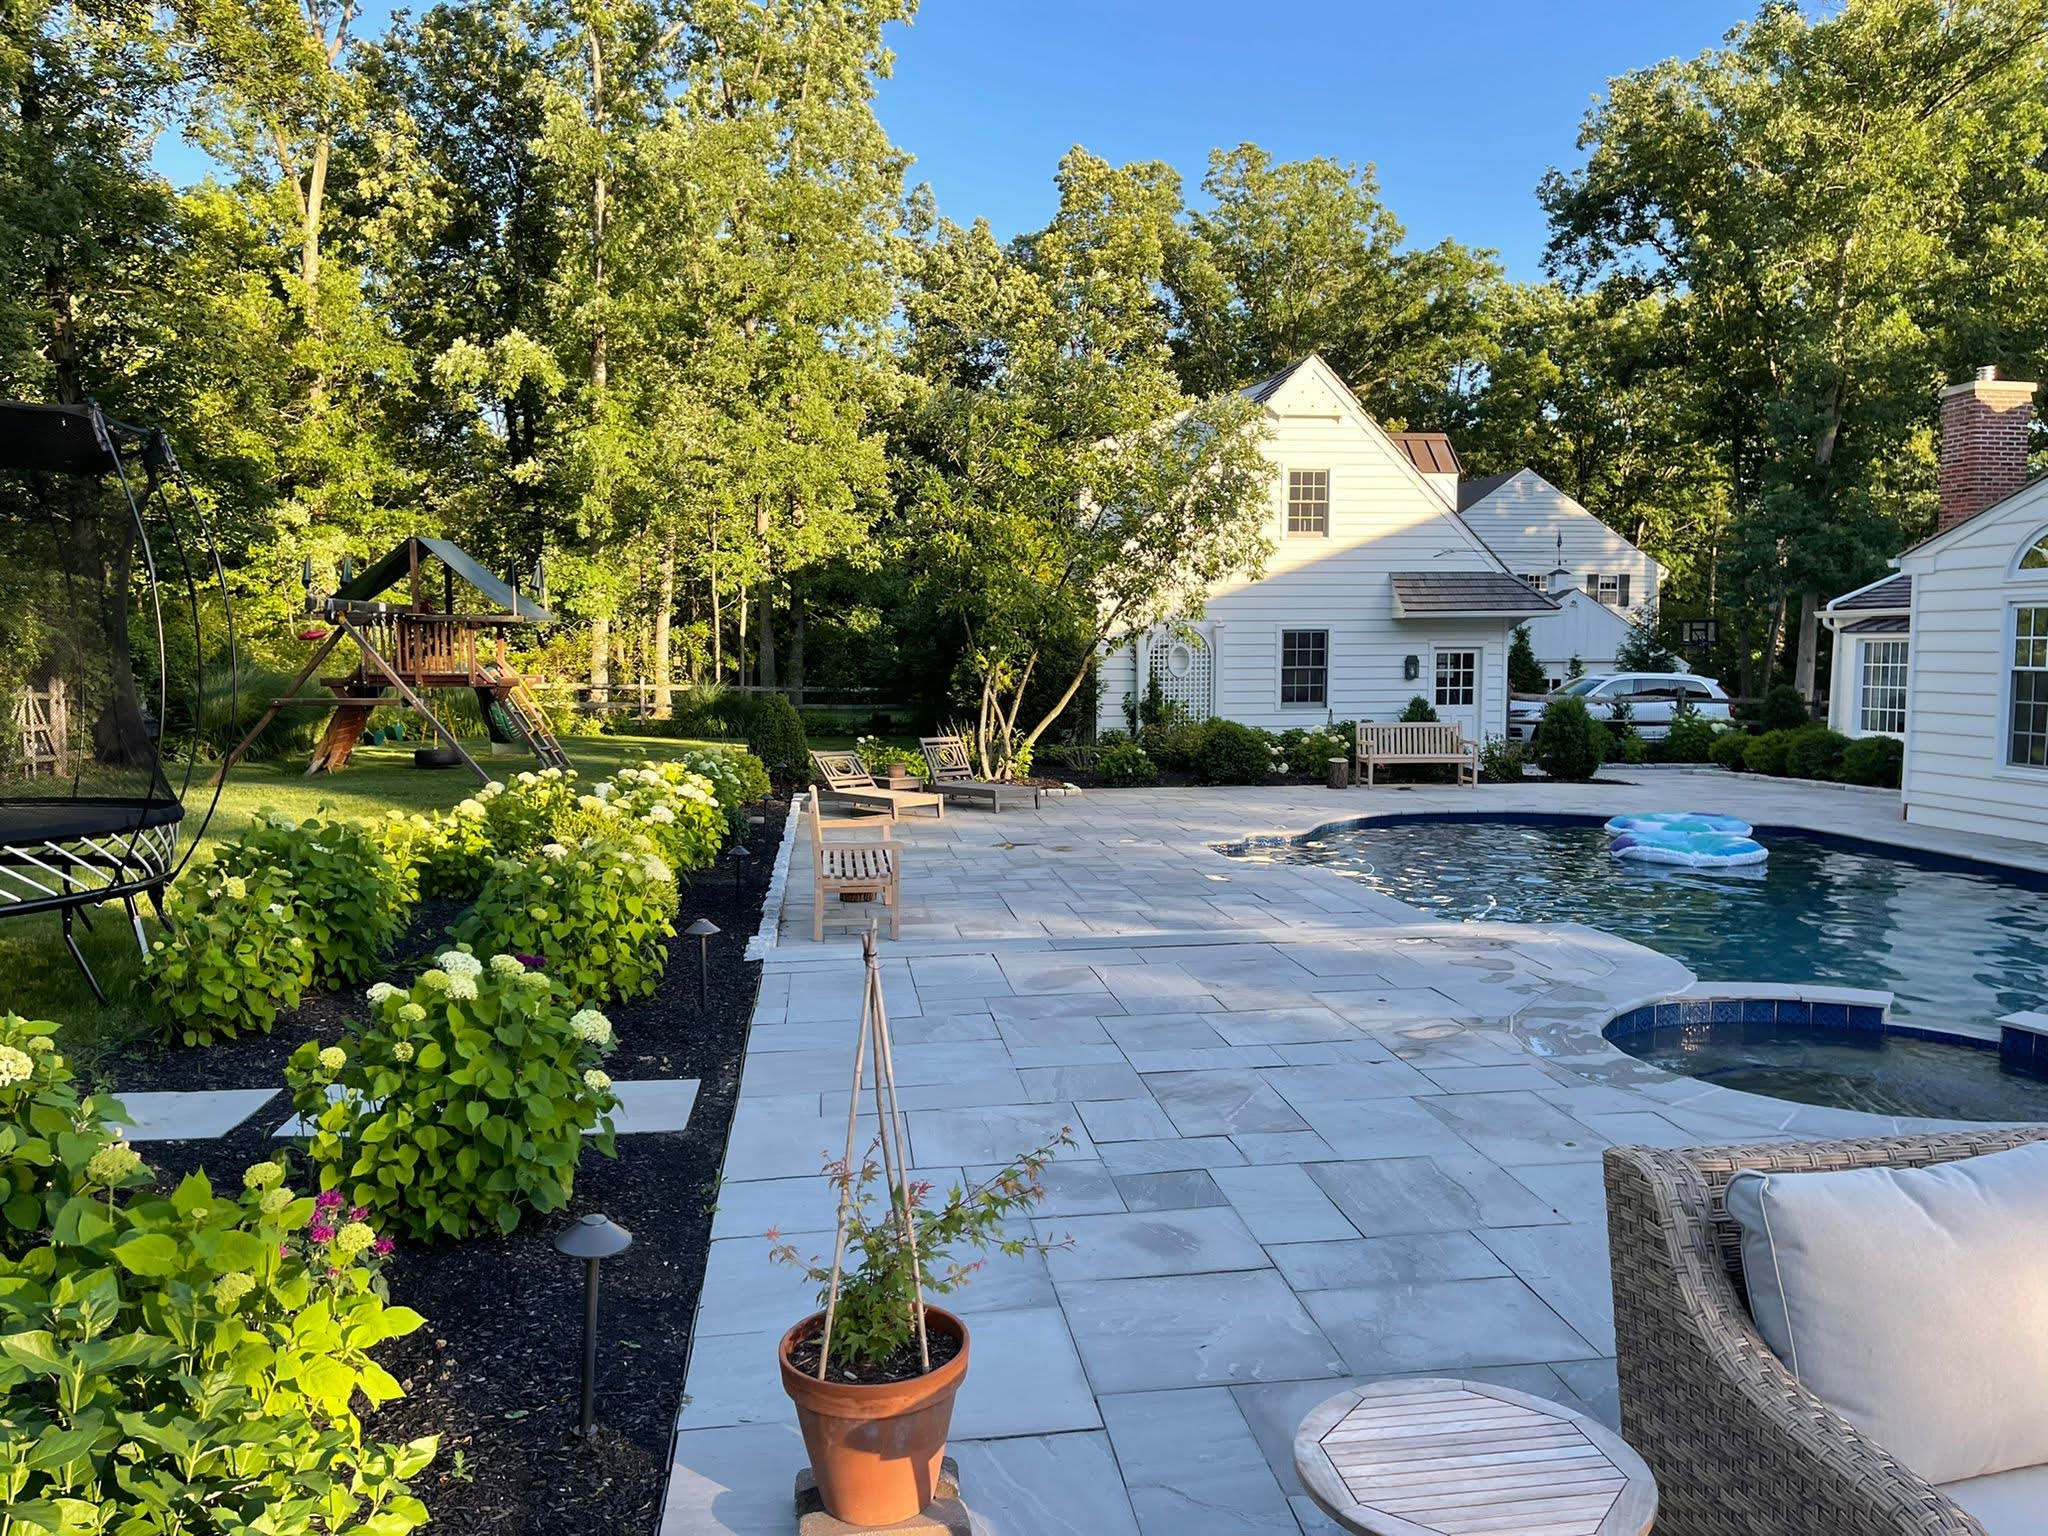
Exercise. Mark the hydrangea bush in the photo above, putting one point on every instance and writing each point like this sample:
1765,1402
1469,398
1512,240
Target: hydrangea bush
190,1362
738,778
232,957
598,913
677,810
351,895
460,1104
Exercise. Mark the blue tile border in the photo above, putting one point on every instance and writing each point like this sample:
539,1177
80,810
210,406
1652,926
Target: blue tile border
1700,1017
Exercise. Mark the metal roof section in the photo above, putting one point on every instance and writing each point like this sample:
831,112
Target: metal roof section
396,565
1264,389
1466,594
1883,624
1887,592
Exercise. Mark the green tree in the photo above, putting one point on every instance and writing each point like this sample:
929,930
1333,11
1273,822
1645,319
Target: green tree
1837,211
1525,672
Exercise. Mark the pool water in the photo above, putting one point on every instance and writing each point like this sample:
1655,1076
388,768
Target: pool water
1953,945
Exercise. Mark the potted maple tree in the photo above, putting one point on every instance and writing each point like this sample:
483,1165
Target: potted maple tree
874,1371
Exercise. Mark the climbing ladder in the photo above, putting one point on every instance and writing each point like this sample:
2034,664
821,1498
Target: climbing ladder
510,689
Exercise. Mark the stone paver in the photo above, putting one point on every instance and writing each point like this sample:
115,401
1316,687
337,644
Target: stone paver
1319,1138
194,1114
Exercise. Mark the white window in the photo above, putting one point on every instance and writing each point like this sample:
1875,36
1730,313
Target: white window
2028,744
1456,675
1304,666
1537,582
1883,700
1308,502
1609,589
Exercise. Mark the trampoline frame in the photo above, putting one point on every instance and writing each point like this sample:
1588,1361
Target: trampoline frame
69,873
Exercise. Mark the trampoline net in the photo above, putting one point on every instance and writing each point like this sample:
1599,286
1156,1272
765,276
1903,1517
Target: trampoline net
85,587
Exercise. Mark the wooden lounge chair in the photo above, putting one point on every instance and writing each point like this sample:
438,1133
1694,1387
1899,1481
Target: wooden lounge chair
950,775
868,870
842,776
1414,741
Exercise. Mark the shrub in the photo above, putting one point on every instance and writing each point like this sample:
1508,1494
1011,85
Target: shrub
1690,738
1629,747
1731,750
463,1103
1309,752
351,896
232,956
1500,760
1766,753
1234,754
598,913
674,808
521,814
1815,753
1174,742
738,778
1877,760
776,736
1419,710
1126,765
1783,710
878,757
188,1362
1570,743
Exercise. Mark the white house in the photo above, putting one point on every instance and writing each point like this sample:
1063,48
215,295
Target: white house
1377,590
1544,536
1976,708
1873,629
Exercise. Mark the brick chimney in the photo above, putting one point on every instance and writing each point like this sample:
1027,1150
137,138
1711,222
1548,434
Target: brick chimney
1984,425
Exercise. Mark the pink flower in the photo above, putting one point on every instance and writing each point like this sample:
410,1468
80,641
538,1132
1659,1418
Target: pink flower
320,1232
383,1246
359,1213
327,1199
284,1250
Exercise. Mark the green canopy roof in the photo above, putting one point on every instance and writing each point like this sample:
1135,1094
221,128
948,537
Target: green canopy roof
397,565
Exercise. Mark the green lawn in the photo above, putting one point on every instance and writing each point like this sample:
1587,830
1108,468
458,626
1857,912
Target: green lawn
41,981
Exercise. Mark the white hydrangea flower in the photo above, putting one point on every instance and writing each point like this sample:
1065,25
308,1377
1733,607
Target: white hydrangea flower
527,779
507,965
661,816
535,981
436,979
15,1066
283,823
657,873
553,851
235,886
457,962
334,1058
602,793
412,1013
589,803
551,773
591,1026
462,988
492,790
383,992
596,1081
470,810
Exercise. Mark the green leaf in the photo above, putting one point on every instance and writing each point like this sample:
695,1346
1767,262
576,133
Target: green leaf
148,1253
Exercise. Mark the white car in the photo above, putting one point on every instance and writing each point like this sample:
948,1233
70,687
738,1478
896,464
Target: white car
1652,697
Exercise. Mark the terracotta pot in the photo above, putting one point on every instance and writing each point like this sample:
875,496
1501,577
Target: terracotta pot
875,1450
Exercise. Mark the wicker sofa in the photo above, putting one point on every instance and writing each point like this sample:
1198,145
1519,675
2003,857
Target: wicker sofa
1738,1446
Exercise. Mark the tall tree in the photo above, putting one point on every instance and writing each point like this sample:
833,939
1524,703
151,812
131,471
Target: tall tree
1833,207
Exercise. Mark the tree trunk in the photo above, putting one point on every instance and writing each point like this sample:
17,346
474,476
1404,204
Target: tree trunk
1774,633
1809,645
796,644
766,644
600,660
664,609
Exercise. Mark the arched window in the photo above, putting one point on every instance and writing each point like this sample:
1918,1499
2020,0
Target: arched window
2033,558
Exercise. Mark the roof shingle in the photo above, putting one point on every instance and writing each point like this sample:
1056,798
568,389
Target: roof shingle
1422,594
1893,592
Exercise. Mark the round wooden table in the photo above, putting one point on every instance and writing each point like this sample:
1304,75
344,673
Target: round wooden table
1463,1458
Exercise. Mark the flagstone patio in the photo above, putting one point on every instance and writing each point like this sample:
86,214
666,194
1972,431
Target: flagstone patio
1318,1138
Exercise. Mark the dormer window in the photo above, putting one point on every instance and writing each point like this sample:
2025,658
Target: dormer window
1308,503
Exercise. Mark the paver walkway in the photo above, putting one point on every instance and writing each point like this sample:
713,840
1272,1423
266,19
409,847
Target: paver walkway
1319,1139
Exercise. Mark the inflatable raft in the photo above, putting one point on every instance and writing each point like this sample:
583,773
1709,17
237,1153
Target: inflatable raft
1695,839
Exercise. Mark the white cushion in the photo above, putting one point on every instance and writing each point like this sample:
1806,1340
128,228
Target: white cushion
2013,1503
1913,1301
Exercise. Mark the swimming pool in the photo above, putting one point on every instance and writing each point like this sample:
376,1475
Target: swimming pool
1954,944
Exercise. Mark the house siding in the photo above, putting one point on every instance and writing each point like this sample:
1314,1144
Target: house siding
1383,518
1956,775
1522,519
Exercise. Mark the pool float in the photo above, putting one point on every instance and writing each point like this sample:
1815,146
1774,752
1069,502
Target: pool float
1696,850
1680,821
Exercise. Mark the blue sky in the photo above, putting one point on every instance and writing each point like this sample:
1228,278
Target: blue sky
1461,104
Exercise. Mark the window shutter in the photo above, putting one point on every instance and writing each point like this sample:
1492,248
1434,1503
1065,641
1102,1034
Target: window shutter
1593,585
1624,590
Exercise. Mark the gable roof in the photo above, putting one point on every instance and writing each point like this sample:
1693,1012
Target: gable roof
1887,592
1456,594
1430,452
398,563
1472,492
1264,391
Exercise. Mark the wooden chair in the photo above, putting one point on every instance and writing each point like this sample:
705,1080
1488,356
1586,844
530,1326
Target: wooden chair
843,776
953,777
1415,741
868,870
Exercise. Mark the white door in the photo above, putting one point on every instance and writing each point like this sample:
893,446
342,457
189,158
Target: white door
1455,679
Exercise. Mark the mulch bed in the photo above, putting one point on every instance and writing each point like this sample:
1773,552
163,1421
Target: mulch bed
495,1372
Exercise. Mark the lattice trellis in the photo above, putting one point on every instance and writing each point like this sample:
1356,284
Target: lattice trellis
1184,667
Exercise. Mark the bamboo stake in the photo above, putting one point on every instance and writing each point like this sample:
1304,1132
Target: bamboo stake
885,1067
860,1049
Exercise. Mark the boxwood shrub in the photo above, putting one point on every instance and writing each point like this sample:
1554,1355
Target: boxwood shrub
1570,744
1125,765
1815,753
1690,737
1731,750
182,1362
1766,753
1875,760
463,1103
1234,754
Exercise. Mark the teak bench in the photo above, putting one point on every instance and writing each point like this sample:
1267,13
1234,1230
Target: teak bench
1414,741
866,871
845,778
953,777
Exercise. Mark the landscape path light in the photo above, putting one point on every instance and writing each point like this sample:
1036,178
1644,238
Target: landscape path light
593,1240
702,930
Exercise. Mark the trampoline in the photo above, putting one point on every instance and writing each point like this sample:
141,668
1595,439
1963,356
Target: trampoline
108,576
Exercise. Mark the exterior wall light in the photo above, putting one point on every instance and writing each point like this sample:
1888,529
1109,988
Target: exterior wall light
1411,667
